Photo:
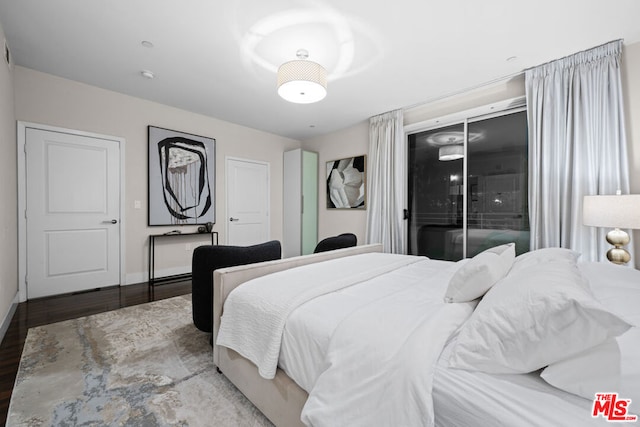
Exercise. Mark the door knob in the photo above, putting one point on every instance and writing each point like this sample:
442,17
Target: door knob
234,219
113,221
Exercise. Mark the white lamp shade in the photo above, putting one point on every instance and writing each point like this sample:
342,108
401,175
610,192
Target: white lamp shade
450,152
619,211
302,81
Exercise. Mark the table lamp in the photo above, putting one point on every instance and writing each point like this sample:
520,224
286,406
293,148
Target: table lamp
613,211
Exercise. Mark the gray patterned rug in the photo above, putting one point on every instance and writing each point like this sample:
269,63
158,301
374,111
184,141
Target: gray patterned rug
145,365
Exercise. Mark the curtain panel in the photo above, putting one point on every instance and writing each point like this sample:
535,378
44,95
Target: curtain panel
385,182
577,146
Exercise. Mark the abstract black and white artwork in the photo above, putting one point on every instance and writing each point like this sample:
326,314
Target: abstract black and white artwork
181,178
346,183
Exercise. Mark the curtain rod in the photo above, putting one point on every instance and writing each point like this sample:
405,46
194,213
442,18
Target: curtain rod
575,53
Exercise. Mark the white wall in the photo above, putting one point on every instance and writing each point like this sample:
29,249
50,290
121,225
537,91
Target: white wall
350,142
8,193
508,89
46,99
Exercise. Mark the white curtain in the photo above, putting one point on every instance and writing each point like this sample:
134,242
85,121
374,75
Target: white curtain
577,146
385,182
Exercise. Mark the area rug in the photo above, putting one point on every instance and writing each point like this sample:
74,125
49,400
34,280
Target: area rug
145,365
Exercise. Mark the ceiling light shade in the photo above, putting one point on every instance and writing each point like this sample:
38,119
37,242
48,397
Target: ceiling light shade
302,81
450,152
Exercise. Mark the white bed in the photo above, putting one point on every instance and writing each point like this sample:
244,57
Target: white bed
349,376
309,330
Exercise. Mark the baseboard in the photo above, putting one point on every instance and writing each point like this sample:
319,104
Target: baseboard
8,317
135,278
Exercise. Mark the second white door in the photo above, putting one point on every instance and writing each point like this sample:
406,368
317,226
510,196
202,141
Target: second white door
247,202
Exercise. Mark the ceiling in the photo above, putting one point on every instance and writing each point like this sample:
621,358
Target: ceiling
220,58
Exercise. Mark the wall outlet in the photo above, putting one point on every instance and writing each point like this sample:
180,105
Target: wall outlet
187,247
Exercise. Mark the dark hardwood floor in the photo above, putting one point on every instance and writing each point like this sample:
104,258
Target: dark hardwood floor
43,311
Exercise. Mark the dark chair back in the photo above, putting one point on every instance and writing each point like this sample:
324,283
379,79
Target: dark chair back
208,258
345,240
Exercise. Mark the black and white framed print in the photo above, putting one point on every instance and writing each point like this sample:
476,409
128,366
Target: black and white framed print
181,178
346,183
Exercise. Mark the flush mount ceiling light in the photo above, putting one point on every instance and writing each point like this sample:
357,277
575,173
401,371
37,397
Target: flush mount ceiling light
450,152
302,81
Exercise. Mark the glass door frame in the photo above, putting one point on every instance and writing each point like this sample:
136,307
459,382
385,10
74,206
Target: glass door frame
465,117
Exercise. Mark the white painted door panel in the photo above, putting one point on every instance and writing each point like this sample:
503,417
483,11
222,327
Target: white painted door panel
73,205
247,202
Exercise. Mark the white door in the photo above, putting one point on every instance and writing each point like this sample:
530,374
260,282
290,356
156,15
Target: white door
247,202
72,211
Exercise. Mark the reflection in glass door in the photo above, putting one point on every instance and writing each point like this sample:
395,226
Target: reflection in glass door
497,185
435,191
495,210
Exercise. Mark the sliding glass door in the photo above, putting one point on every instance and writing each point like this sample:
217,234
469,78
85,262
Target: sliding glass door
435,191
468,187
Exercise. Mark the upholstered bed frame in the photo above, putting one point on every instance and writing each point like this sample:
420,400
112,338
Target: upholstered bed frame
280,399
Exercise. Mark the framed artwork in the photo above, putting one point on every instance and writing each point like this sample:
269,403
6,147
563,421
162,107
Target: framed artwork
346,183
181,178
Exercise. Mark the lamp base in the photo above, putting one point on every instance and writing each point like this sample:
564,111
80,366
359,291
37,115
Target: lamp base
617,237
617,254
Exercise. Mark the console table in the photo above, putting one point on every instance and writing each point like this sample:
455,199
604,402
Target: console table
152,256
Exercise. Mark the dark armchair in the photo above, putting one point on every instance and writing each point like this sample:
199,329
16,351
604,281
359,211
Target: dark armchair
208,258
345,240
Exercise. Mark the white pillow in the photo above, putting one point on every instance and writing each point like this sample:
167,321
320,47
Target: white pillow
541,256
478,275
533,317
613,366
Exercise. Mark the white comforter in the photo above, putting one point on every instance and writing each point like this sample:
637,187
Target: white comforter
381,359
377,366
255,313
